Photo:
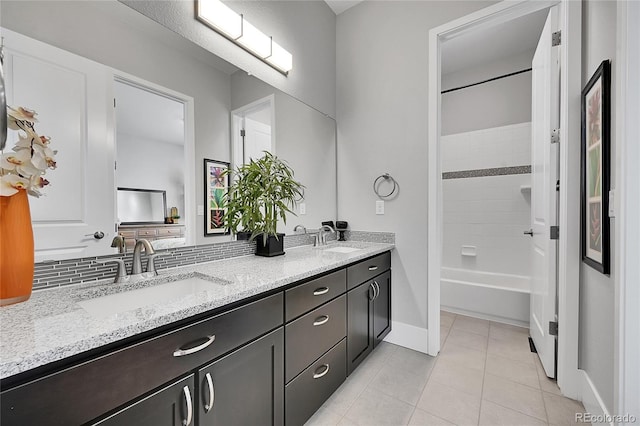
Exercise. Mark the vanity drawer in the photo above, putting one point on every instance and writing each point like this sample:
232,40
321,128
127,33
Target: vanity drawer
305,297
83,392
169,232
128,234
313,334
142,233
367,269
305,394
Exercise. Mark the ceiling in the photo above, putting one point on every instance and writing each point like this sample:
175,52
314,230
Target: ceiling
339,6
480,47
149,116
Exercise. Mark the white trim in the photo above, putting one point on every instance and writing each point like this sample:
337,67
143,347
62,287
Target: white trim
627,209
189,144
593,403
568,378
238,114
407,335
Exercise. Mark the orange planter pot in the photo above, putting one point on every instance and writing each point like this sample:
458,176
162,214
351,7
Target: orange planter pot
16,249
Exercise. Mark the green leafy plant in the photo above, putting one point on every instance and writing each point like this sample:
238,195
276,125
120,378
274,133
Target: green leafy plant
263,192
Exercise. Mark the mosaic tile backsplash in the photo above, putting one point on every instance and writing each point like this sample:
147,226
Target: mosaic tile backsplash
58,273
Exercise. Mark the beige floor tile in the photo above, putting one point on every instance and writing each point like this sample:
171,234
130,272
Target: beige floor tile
375,408
546,384
458,376
516,349
324,417
400,383
495,415
505,331
561,410
346,422
521,372
450,404
462,355
467,339
349,391
444,332
411,360
518,397
472,325
422,418
446,318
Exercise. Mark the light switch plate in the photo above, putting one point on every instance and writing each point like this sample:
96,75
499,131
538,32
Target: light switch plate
612,203
302,208
379,207
200,210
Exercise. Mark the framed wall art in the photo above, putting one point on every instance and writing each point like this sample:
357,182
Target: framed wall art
595,164
216,185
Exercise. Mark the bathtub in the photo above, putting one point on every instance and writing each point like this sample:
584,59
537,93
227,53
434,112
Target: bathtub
496,297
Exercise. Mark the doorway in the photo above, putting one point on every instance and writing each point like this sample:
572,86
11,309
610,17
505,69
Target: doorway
504,12
253,130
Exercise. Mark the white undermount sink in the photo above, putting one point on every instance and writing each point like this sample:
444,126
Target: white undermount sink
153,295
341,249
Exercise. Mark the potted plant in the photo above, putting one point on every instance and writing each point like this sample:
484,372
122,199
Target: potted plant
263,192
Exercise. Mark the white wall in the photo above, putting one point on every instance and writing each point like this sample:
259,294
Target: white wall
307,29
493,104
108,32
597,305
151,164
490,212
382,92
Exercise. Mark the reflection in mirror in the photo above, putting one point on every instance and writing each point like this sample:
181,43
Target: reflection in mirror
141,206
61,58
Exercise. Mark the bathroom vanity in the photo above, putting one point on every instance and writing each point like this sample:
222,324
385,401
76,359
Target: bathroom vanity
267,342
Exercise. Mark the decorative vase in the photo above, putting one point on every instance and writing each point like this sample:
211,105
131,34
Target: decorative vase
274,246
16,249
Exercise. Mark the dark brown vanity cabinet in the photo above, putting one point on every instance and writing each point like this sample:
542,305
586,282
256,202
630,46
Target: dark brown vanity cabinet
369,309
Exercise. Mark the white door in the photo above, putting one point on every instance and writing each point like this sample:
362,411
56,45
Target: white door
544,173
72,96
257,139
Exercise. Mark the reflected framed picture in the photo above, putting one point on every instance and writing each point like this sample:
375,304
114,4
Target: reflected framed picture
216,185
595,165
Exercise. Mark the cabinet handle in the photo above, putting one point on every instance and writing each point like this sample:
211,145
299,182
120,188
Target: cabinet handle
372,287
373,268
377,289
320,291
212,393
183,352
187,399
321,320
324,372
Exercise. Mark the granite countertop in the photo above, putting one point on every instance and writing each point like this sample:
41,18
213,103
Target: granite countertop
52,326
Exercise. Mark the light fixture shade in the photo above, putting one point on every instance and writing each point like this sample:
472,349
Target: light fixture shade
220,17
255,40
280,58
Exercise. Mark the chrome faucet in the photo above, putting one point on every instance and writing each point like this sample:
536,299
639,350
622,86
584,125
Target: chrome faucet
118,242
322,236
304,229
136,269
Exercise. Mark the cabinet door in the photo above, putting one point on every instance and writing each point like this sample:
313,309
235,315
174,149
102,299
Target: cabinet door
245,387
359,324
170,406
382,307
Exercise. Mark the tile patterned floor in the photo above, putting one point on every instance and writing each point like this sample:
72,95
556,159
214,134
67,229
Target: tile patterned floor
485,375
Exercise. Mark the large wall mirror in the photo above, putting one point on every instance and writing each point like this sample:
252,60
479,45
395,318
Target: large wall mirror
175,104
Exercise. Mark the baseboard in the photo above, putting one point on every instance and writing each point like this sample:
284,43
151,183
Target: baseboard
592,402
409,336
494,318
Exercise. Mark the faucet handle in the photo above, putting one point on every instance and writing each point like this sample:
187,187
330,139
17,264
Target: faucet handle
151,264
121,272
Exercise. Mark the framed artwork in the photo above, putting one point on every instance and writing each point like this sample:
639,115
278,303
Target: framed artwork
595,164
216,186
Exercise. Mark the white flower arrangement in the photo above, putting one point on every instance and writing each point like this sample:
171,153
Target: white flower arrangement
25,167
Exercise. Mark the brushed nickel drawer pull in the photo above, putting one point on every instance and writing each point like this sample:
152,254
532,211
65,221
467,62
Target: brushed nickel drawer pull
183,352
376,290
321,320
372,287
317,375
373,268
320,291
212,393
187,399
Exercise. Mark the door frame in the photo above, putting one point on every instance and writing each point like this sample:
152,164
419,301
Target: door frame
189,144
569,202
237,115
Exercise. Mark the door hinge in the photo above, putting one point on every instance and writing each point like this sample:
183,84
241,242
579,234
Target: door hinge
558,185
114,102
556,38
555,232
242,133
555,136
115,165
553,328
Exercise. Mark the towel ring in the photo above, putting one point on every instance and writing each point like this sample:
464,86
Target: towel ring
385,176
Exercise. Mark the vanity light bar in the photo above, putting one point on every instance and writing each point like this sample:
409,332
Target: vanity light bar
233,26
